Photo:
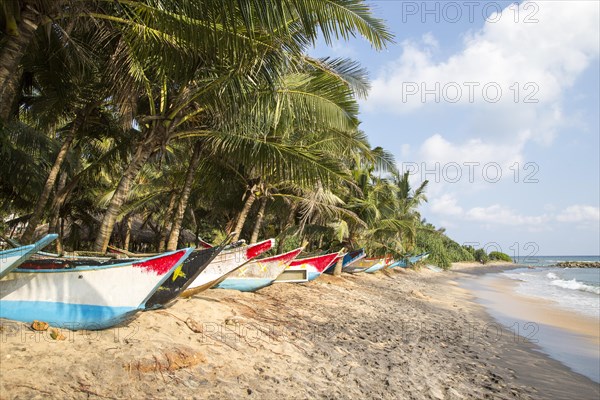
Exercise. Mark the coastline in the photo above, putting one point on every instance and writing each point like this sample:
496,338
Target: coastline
394,334
567,336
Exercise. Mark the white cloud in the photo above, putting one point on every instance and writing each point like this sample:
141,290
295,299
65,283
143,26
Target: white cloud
430,40
445,205
549,55
580,213
438,149
474,161
501,215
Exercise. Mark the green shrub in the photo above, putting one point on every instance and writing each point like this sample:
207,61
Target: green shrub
481,256
443,251
496,255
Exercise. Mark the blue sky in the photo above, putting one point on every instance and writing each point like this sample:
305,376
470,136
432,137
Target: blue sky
496,103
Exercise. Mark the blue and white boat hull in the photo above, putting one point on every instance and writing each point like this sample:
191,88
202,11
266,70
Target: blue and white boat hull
313,275
399,263
258,274
84,297
245,284
376,267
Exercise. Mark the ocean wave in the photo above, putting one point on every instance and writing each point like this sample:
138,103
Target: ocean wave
573,284
551,275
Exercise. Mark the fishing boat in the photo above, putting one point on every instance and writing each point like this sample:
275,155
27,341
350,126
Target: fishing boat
353,256
362,265
259,273
306,269
418,257
331,268
84,294
349,259
406,262
182,277
12,258
400,263
224,264
383,263
370,265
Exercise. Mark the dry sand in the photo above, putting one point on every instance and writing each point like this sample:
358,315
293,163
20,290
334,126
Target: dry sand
396,334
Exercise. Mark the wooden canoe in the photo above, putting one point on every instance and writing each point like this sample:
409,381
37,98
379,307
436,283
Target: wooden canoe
311,268
349,259
98,295
258,274
406,262
371,265
182,277
224,264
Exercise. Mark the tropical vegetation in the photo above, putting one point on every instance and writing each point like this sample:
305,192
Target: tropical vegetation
499,256
150,124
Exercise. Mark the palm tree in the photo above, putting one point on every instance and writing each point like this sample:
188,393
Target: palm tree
197,66
386,203
187,106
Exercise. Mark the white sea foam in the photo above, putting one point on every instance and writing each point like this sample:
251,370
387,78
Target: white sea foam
572,289
574,285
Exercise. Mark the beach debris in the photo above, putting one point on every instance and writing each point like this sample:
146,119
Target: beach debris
39,325
234,321
169,360
56,334
194,326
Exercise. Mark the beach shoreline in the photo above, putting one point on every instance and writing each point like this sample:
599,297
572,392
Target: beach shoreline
567,336
394,334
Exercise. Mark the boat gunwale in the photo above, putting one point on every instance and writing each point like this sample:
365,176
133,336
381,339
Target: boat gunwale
303,260
126,263
23,249
278,257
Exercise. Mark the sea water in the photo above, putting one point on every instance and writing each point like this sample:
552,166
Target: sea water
544,261
574,289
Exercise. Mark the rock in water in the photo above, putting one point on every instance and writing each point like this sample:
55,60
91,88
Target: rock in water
578,264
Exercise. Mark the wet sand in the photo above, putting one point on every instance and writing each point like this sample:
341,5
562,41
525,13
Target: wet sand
395,334
501,294
567,336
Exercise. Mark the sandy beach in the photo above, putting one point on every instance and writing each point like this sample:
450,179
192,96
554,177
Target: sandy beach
398,334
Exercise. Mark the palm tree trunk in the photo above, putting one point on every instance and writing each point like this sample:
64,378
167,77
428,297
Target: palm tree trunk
244,214
194,223
63,192
337,271
166,229
142,153
259,219
288,224
35,218
54,225
45,195
127,235
185,195
10,57
61,233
